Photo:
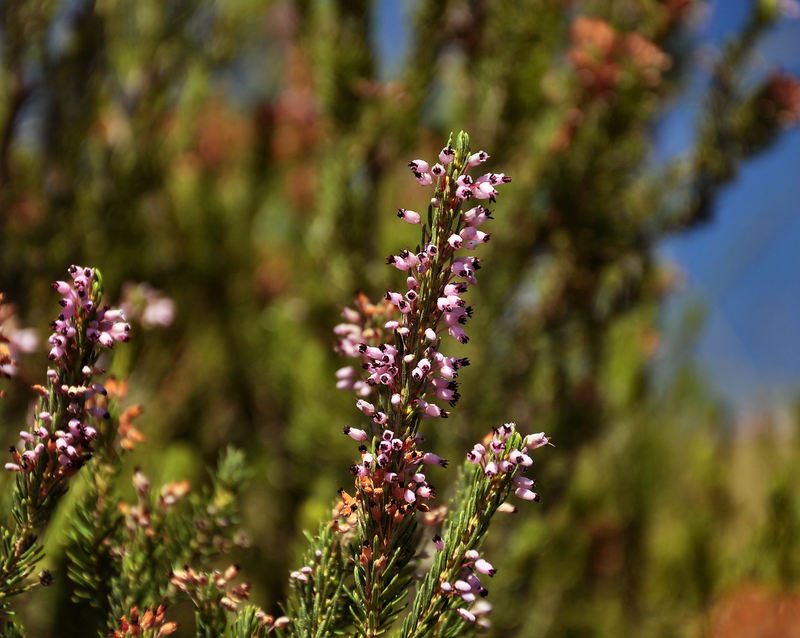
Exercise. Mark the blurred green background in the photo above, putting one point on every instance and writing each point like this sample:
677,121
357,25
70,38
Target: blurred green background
245,159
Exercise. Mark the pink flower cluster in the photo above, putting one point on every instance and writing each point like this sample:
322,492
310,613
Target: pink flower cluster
468,585
466,187
405,482
62,431
103,325
502,453
497,458
403,364
72,446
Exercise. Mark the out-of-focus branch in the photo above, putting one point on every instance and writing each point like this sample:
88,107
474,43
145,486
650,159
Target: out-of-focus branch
19,95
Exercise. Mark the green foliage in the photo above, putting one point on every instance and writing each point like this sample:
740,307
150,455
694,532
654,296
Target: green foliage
93,524
12,630
20,550
318,603
247,624
380,586
118,561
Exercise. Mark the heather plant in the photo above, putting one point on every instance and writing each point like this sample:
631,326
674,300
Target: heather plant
69,422
121,555
370,563
236,156
401,380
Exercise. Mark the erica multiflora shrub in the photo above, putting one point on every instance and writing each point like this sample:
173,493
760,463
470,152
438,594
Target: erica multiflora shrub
389,549
359,574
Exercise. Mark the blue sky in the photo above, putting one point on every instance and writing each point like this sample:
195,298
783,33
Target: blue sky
743,268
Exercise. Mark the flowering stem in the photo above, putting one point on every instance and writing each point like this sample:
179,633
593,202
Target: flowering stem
65,423
317,600
408,373
477,500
